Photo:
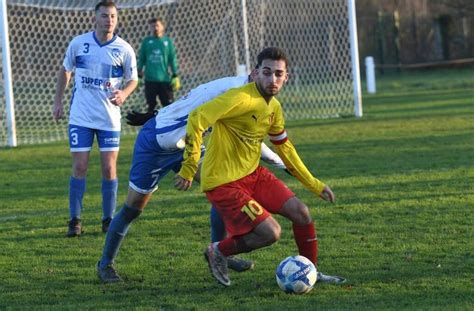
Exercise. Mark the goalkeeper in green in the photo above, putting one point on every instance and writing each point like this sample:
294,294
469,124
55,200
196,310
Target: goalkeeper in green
157,54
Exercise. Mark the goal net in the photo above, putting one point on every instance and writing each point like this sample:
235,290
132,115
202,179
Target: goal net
212,38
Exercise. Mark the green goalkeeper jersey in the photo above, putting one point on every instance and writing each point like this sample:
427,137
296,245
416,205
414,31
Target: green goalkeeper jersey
158,55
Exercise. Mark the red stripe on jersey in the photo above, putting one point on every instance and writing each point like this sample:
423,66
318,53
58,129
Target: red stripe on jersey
278,139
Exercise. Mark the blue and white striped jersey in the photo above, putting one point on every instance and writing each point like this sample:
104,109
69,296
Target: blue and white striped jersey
98,69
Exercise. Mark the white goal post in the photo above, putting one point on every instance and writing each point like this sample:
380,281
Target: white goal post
213,38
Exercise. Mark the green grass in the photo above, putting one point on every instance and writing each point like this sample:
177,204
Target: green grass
401,230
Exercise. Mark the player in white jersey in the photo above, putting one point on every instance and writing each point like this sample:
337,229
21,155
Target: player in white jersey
105,74
159,149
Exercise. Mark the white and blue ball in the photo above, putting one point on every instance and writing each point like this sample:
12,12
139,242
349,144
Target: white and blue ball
296,275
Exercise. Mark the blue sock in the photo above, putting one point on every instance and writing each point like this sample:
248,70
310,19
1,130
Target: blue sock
109,197
77,187
117,231
218,232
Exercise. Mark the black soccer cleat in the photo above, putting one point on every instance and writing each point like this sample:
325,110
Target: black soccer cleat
108,274
239,264
106,224
74,228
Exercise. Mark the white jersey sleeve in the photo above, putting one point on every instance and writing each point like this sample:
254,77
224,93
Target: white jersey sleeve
171,120
70,57
270,157
99,69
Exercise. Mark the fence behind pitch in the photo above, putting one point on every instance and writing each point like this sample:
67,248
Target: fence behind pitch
210,40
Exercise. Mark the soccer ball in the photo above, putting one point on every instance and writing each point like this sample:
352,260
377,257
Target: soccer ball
296,275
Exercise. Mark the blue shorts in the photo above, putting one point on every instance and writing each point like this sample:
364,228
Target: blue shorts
150,162
82,138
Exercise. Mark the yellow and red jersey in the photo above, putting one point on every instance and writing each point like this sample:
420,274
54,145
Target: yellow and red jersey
240,119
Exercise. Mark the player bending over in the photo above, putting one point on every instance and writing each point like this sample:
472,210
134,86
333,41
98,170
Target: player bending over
159,149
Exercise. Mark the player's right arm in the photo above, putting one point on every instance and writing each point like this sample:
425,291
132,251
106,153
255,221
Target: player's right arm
64,76
63,80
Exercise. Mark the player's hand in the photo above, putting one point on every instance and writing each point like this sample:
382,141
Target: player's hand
175,84
182,184
328,195
117,98
58,111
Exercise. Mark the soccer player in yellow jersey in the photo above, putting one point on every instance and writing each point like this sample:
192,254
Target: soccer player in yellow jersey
244,193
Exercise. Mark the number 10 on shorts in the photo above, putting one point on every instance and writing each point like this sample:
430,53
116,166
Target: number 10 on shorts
252,209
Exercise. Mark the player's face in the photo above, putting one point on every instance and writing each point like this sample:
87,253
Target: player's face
271,76
158,29
106,19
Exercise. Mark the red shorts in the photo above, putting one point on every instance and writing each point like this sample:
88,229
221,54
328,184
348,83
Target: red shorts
245,203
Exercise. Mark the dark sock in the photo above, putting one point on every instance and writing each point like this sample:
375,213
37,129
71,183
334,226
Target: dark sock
116,233
217,226
233,245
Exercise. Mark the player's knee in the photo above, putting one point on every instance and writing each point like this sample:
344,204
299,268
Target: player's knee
276,233
137,200
136,203
130,213
300,214
108,171
273,234
79,169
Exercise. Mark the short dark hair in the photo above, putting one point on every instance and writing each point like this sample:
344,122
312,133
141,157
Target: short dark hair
107,4
272,53
154,20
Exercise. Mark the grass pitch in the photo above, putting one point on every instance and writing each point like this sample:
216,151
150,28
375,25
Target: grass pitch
401,230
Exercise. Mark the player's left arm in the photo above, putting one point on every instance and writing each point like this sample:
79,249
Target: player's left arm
287,152
131,76
173,63
119,96
173,59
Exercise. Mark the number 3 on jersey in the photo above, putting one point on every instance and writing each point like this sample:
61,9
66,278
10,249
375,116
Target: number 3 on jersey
252,209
